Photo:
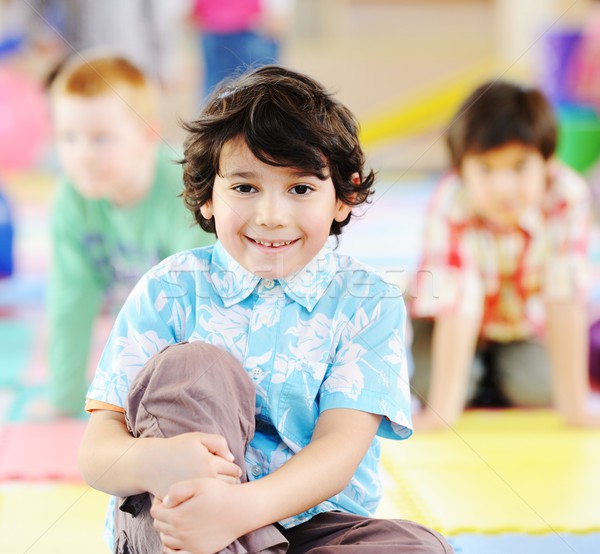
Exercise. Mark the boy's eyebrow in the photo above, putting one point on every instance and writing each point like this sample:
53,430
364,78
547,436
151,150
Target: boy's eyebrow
240,174
299,173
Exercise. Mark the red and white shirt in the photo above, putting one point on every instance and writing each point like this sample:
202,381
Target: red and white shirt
502,276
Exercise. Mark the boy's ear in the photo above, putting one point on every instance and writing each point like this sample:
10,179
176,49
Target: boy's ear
343,209
206,210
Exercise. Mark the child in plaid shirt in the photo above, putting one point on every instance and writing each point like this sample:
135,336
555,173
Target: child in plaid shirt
501,286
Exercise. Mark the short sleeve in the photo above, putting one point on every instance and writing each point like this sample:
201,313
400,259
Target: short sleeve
369,371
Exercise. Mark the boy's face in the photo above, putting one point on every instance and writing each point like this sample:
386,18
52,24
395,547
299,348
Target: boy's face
101,144
505,182
271,220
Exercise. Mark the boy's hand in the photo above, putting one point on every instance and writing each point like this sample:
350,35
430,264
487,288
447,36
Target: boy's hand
200,516
588,416
187,456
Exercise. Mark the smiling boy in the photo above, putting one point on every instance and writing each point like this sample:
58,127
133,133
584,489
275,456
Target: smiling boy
259,434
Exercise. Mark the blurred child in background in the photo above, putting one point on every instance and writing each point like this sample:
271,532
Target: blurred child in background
501,287
116,211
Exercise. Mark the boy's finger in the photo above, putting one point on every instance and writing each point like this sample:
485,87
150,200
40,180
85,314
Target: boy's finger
216,444
229,479
170,543
179,493
228,468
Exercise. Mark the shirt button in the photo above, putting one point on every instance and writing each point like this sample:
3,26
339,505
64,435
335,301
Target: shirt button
264,320
269,283
256,471
256,372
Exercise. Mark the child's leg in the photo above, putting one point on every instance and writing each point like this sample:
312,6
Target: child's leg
189,387
342,533
421,351
523,373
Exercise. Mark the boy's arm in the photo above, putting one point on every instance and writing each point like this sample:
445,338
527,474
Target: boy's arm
206,515
113,461
449,290
74,300
72,311
566,294
453,348
108,453
567,343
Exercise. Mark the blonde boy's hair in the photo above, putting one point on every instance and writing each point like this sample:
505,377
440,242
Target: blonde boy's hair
107,74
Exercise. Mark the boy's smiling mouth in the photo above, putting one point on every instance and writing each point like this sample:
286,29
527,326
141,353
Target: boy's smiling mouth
275,244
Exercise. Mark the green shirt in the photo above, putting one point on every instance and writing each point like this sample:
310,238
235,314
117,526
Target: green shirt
99,252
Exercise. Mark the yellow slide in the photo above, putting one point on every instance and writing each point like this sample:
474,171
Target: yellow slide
422,111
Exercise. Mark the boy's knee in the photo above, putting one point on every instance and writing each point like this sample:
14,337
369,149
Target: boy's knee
194,364
187,382
524,375
527,395
197,353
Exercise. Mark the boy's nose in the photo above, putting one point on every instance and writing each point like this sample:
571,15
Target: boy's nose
82,151
271,211
504,182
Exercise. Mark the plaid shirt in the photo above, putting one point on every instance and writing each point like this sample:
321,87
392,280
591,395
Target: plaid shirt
504,277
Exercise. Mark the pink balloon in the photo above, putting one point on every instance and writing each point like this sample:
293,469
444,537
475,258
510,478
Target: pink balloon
24,120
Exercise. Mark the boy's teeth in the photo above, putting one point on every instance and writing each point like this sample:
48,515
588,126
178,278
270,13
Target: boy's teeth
274,244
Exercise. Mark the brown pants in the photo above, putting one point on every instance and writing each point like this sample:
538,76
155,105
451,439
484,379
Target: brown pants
198,387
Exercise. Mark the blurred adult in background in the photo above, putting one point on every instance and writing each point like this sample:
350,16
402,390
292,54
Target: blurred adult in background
147,32
237,34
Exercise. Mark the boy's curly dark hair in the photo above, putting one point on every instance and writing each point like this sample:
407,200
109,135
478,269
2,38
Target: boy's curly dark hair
498,113
287,120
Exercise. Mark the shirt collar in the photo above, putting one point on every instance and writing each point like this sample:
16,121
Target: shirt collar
308,285
234,283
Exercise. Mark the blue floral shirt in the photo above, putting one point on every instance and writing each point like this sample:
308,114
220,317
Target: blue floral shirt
329,336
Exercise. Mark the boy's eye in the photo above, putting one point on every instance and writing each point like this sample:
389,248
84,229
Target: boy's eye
301,189
244,188
100,138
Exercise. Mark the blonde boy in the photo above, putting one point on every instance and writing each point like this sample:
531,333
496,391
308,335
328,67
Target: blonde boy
116,211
